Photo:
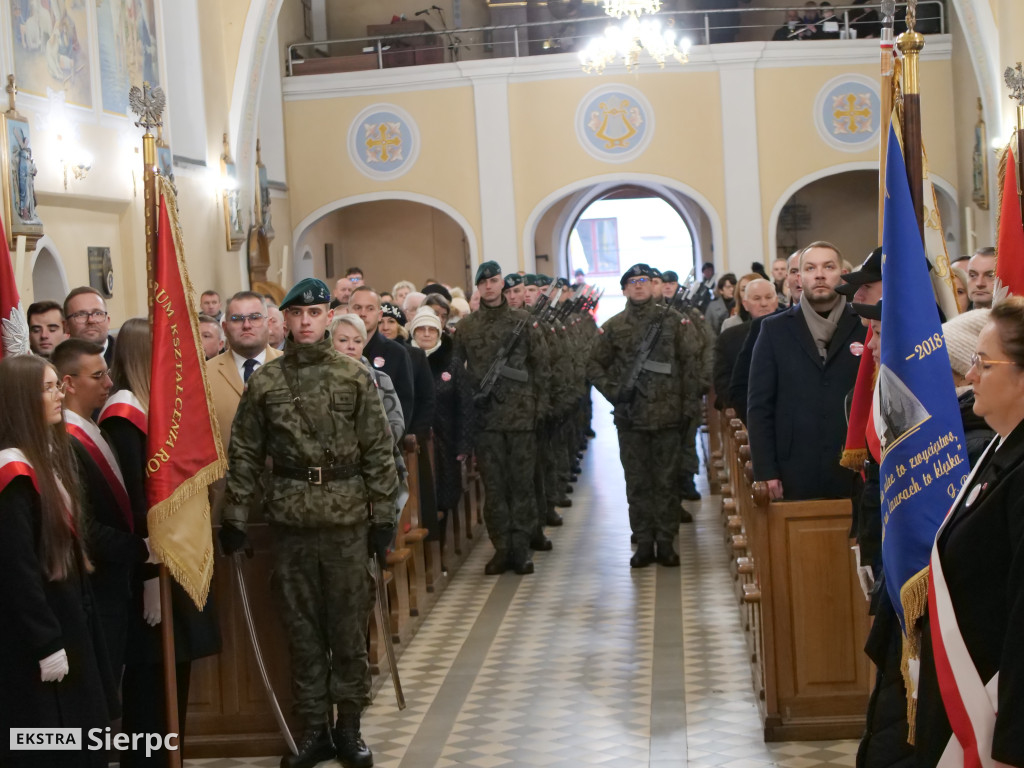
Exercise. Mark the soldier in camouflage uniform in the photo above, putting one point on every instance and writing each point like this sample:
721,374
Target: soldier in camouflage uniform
505,426
650,428
332,476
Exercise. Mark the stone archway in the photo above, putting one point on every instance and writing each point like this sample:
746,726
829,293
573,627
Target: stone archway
49,281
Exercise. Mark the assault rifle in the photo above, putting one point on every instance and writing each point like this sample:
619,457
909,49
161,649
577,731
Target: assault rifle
627,394
693,294
498,366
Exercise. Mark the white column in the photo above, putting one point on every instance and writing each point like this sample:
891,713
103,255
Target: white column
498,234
743,224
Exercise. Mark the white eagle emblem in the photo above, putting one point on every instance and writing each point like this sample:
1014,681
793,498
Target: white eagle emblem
15,333
307,297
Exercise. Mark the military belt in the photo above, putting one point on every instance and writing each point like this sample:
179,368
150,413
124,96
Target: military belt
317,475
515,374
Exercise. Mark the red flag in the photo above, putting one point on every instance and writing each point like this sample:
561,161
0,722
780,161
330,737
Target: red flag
15,327
1010,246
183,445
855,452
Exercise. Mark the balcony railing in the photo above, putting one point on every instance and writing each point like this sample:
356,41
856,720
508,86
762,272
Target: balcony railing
434,46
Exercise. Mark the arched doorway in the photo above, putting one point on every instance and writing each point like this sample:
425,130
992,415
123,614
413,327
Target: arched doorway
391,238
49,283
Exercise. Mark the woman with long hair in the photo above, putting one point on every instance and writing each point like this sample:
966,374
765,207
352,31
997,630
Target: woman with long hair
196,634
53,661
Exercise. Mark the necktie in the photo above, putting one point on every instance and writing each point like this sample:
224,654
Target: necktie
247,368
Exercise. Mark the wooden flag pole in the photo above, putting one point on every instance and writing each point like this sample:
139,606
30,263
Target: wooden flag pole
148,104
888,12
910,44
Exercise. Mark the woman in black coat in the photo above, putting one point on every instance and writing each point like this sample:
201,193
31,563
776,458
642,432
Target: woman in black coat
196,633
978,570
53,660
453,411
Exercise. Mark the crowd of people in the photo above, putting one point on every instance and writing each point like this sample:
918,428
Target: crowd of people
331,388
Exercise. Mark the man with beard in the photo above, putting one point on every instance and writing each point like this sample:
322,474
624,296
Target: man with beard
801,370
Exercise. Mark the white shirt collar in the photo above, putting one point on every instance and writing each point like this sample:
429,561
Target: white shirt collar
240,361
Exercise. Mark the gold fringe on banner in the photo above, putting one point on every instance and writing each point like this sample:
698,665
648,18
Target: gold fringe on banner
853,459
914,599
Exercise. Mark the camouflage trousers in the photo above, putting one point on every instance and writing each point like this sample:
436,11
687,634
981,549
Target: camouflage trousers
506,461
545,475
322,583
689,462
649,460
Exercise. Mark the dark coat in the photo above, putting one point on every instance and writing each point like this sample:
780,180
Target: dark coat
982,551
39,618
422,424
796,405
453,418
393,358
196,633
727,349
741,370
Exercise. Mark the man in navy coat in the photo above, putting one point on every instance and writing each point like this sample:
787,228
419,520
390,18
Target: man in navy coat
804,363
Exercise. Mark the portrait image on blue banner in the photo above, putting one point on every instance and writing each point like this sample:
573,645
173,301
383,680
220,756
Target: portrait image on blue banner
924,457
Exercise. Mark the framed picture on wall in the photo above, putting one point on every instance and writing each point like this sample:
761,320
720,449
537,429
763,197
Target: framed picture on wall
232,202
263,217
19,174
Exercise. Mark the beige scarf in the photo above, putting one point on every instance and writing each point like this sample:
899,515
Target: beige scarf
823,328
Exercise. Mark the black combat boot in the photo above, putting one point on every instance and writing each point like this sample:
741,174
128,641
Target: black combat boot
314,747
352,750
565,501
643,556
667,555
690,492
539,542
497,564
685,516
552,519
522,562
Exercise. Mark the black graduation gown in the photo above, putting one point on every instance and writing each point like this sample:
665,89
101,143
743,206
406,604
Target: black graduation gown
452,421
982,551
38,617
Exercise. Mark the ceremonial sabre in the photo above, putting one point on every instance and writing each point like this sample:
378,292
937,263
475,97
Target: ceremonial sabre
385,628
247,611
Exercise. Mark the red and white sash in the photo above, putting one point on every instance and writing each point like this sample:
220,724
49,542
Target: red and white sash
126,405
971,703
89,435
14,464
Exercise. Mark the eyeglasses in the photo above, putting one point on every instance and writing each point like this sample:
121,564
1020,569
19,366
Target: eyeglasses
54,389
637,280
982,363
98,376
255,318
94,316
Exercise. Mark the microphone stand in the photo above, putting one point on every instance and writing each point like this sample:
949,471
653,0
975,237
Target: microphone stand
454,42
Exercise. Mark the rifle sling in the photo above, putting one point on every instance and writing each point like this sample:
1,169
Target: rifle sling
515,374
656,367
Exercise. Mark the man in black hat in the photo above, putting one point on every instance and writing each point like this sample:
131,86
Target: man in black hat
651,412
864,285
506,417
316,414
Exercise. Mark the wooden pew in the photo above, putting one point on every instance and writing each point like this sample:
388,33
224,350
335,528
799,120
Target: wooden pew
411,532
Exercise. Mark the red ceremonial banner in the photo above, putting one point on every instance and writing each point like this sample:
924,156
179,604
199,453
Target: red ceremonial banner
184,450
15,326
1010,245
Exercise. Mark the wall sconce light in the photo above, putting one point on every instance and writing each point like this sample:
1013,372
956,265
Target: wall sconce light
75,159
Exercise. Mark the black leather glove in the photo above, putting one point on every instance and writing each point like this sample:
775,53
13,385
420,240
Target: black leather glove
379,540
232,540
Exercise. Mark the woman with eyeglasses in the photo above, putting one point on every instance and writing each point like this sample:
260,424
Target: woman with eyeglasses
124,421
53,661
970,705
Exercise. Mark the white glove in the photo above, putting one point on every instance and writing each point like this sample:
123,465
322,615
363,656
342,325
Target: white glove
151,601
153,558
54,667
865,575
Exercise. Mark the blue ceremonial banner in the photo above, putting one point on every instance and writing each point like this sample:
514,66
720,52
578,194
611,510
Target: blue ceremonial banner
924,456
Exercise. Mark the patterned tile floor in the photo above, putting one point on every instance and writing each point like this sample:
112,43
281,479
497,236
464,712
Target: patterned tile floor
584,663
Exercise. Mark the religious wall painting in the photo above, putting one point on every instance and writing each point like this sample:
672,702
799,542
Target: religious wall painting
383,142
979,164
19,173
614,123
50,43
128,48
233,227
848,113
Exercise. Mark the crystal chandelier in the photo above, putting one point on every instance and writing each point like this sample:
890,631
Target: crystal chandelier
620,8
630,38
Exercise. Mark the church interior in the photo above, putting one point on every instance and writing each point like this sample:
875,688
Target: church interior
305,137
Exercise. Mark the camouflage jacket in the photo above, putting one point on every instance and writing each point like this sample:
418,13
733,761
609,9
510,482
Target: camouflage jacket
514,406
340,398
663,399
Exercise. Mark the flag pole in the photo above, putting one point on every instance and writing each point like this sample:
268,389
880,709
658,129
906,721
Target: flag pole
148,104
888,14
910,44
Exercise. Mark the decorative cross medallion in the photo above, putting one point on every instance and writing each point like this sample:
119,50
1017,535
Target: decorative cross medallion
148,103
847,108
390,136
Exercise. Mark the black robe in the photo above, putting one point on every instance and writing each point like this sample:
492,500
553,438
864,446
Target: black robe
39,617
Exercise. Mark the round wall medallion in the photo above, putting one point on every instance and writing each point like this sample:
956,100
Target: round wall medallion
383,142
848,113
614,123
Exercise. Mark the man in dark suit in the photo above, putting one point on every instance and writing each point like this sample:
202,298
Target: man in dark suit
383,353
114,548
801,370
86,317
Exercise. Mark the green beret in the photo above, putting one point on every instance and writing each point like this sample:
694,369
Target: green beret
562,282
543,281
669,276
307,293
512,280
530,280
486,271
655,272
637,270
